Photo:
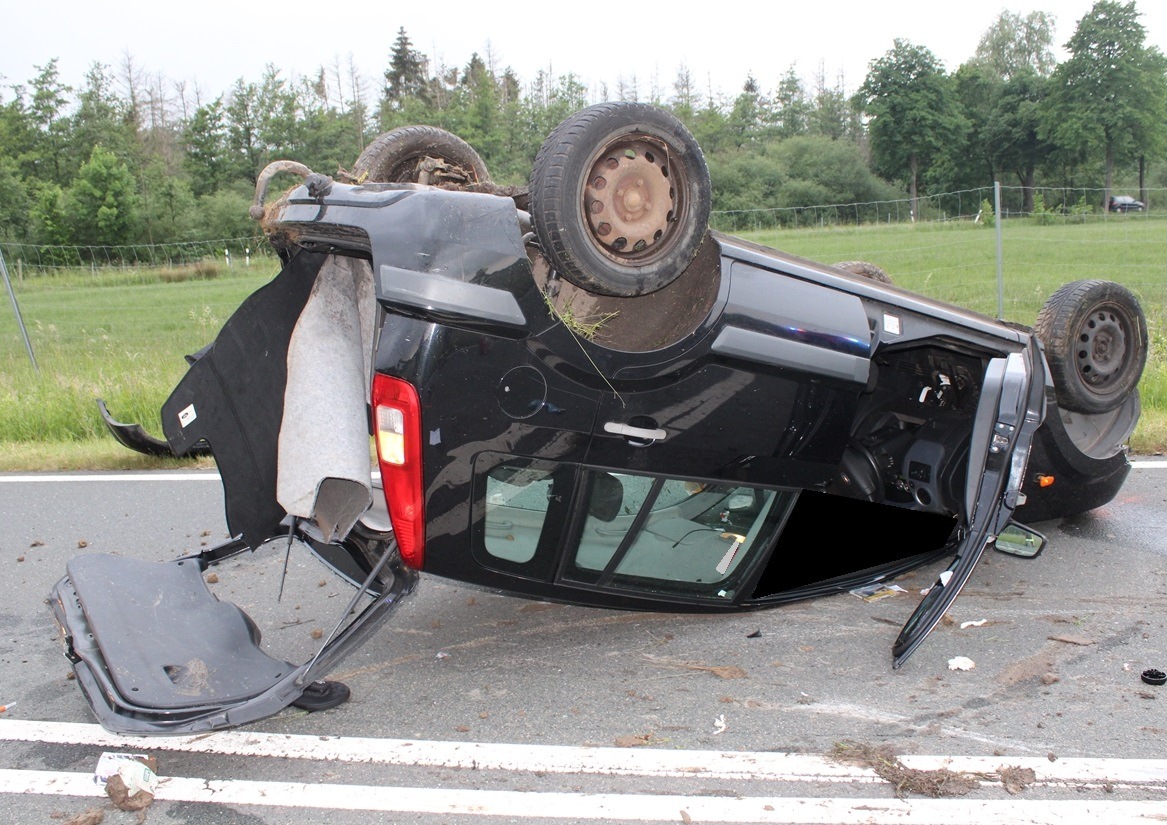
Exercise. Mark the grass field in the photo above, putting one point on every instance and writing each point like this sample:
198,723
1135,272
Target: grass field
121,335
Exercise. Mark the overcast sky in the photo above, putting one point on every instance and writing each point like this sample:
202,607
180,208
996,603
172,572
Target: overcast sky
213,43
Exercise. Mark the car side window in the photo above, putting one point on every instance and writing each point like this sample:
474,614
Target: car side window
674,536
517,497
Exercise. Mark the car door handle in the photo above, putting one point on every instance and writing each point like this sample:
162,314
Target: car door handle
628,431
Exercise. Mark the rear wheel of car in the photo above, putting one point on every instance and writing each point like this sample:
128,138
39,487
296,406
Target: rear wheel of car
865,270
1095,337
620,198
419,154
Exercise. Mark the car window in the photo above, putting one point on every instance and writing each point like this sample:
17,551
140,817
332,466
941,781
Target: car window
517,497
673,535
665,536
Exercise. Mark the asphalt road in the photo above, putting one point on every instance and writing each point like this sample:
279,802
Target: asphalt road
460,673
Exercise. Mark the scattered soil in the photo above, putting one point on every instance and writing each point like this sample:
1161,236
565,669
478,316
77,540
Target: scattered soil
1016,779
119,794
1030,668
94,816
644,322
883,760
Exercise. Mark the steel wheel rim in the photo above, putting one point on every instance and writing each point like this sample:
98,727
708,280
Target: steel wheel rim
1101,349
634,199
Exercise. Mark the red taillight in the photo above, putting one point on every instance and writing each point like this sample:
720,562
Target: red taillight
397,422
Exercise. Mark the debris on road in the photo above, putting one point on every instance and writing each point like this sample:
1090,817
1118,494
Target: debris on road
961,663
1080,641
937,783
877,591
1153,676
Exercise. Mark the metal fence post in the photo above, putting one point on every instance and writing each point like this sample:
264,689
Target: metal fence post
19,319
1000,260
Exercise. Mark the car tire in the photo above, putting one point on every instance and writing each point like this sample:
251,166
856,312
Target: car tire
393,157
865,270
1095,337
620,198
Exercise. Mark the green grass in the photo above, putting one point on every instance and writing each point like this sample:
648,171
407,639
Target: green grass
121,335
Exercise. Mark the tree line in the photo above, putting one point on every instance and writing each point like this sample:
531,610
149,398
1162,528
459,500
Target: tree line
127,158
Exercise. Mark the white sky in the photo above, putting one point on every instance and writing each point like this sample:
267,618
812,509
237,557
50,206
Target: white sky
212,43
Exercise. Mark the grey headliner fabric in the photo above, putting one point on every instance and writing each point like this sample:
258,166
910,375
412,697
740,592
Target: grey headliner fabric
324,464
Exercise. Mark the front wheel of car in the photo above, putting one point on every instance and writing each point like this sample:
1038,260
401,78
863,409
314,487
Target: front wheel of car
1095,337
620,198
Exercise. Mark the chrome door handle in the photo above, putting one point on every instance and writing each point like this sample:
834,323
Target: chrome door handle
616,428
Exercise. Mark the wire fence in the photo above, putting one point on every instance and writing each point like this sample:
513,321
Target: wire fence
33,260
1043,204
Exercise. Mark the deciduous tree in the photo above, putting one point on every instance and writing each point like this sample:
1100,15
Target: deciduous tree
1110,96
909,100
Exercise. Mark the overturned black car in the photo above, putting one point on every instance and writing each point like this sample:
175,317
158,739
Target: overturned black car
579,393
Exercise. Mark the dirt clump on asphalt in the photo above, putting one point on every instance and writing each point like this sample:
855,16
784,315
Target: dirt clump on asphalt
937,783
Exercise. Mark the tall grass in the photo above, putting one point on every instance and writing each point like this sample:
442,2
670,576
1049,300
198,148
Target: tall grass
121,335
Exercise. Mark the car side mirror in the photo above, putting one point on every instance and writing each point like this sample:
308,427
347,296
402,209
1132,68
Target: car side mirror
1019,540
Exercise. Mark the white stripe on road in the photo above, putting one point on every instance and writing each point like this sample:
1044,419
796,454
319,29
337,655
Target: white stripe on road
1149,464
706,764
603,806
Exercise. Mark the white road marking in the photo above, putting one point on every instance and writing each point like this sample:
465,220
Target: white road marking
1149,464
706,764
604,806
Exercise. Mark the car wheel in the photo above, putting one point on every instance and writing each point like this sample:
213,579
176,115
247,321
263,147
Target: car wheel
1095,337
620,198
401,156
865,270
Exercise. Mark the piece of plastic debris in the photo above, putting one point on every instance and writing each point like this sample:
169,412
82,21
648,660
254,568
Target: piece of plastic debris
877,591
1153,676
110,762
442,655
961,663
977,623
719,725
137,776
